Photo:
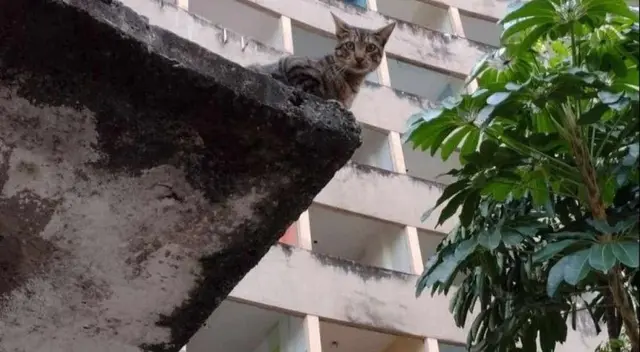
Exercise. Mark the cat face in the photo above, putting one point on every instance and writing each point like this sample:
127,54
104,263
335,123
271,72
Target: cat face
360,50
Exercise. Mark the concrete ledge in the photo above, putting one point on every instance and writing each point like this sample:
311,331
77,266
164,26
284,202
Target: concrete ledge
141,176
352,294
385,195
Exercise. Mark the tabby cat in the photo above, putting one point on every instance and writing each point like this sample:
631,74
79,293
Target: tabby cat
339,75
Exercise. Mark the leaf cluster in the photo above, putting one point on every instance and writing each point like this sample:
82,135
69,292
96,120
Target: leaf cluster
560,95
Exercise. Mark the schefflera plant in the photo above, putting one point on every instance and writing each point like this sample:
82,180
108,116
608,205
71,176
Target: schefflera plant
547,193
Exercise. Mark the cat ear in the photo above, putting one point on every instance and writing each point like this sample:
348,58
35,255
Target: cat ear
384,33
342,28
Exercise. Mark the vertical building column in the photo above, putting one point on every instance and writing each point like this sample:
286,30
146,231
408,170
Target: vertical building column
383,69
410,233
372,5
415,254
383,72
312,331
431,345
183,4
304,231
397,154
287,34
456,24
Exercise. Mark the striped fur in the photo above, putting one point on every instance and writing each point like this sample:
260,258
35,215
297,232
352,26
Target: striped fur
338,75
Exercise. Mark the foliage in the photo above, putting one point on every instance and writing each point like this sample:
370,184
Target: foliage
547,193
621,344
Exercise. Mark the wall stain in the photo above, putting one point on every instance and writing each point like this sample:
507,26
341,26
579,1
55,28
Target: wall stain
23,253
365,272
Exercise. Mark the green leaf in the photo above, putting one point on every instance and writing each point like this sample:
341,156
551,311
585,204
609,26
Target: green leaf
593,115
448,192
528,230
608,97
469,208
601,257
533,37
617,65
477,69
542,10
539,191
470,143
513,87
628,253
490,240
556,276
498,190
432,114
619,8
551,250
601,226
437,142
479,92
423,133
465,248
451,207
426,275
576,267
453,142
497,98
511,238
451,102
518,27
488,148
443,271
484,114
608,191
576,235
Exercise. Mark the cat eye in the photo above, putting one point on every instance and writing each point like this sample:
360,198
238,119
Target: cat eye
371,47
350,45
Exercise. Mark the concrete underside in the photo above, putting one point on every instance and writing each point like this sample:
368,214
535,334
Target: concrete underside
141,176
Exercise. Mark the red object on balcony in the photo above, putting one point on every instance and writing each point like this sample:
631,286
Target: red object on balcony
290,236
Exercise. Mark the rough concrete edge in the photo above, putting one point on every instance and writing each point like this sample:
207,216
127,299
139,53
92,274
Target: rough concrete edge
181,334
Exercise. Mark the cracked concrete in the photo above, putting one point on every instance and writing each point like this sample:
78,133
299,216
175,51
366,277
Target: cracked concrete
141,176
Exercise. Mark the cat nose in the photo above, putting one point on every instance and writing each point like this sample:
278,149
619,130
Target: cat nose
359,59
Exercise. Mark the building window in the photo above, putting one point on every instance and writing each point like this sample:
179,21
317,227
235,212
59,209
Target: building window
480,30
448,347
374,150
416,12
420,81
359,3
242,19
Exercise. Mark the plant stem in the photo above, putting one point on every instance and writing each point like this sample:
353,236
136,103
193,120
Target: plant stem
574,49
596,204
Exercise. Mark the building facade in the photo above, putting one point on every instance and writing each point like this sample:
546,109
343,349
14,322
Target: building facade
343,277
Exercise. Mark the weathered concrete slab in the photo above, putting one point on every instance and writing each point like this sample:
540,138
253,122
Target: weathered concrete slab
141,176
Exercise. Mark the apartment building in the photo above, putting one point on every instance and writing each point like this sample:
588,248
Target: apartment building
342,278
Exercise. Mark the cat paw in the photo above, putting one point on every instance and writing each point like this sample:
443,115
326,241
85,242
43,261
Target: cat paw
333,101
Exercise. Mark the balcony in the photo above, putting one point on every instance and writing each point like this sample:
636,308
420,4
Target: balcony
241,327
363,240
388,196
341,338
